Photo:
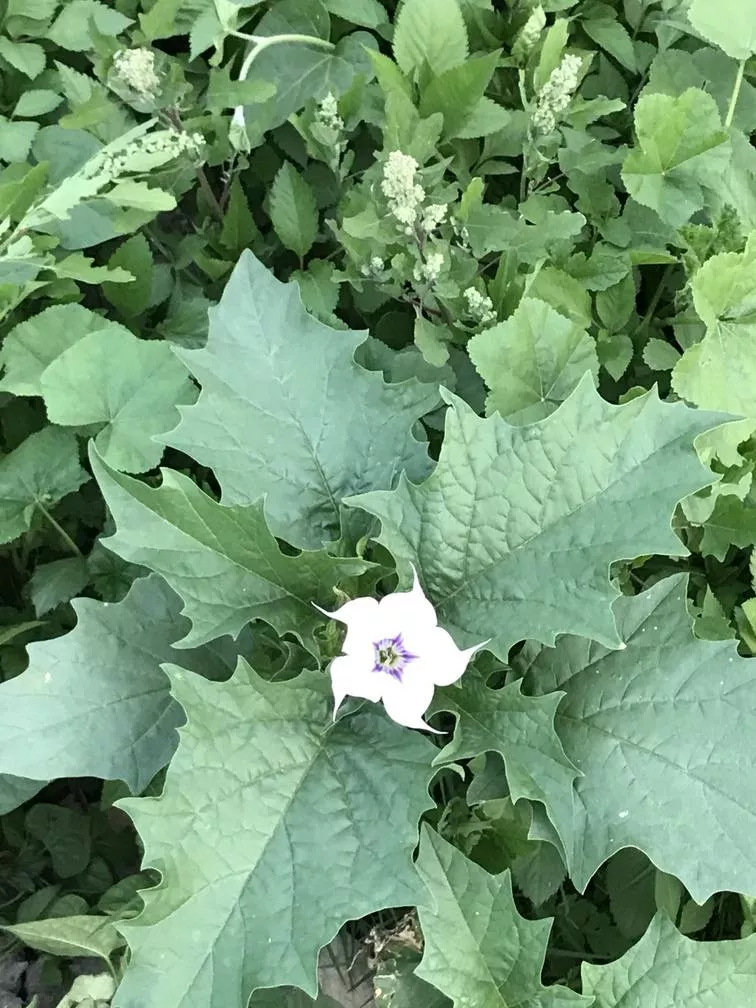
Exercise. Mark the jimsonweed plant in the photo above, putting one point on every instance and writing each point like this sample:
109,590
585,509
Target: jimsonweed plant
377,433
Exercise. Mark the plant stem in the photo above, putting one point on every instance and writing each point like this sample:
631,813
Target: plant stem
735,94
262,42
60,530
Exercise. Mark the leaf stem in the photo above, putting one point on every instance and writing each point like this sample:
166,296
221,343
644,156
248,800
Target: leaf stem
735,94
262,42
60,530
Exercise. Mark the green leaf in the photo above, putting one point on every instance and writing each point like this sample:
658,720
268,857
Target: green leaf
293,212
668,970
660,355
94,702
520,728
731,523
531,517
457,92
27,57
14,791
478,950
432,33
307,410
35,476
70,936
232,570
532,361
36,103
140,196
57,582
245,853
368,13
71,31
131,386
720,371
431,341
727,24
34,344
648,715
614,38
16,139
135,256
681,151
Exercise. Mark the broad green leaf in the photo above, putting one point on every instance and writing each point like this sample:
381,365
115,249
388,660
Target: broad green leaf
457,92
132,386
682,149
56,582
644,721
315,425
728,24
720,371
140,196
515,529
532,361
222,561
293,212
430,33
520,728
135,256
268,826
35,476
64,833
16,139
14,791
70,30
26,57
95,703
69,936
36,342
478,950
667,970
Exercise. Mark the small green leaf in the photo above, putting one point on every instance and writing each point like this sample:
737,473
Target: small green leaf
140,196
233,570
70,936
57,582
16,139
457,92
65,835
135,256
36,103
478,950
612,36
430,341
293,211
728,24
660,355
682,150
269,847
70,30
35,476
27,57
667,970
131,386
532,361
430,33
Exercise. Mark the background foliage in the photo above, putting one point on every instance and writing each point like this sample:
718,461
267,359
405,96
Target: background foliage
458,284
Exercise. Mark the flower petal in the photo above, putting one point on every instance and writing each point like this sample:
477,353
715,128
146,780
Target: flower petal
409,609
407,701
360,616
440,661
352,675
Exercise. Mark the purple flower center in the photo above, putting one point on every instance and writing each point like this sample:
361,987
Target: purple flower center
391,656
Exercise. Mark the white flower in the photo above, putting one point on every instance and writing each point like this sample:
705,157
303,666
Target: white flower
137,68
556,94
395,652
433,215
480,306
403,194
328,113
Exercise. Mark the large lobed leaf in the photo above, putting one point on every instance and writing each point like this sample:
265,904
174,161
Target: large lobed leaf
478,950
222,561
95,701
667,970
664,736
269,835
515,529
285,411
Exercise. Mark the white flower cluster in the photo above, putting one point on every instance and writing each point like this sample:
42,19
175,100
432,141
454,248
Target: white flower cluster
328,114
430,270
530,33
433,216
480,306
373,268
136,67
404,195
556,94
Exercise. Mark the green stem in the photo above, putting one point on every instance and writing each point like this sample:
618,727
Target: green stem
735,94
262,42
60,530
